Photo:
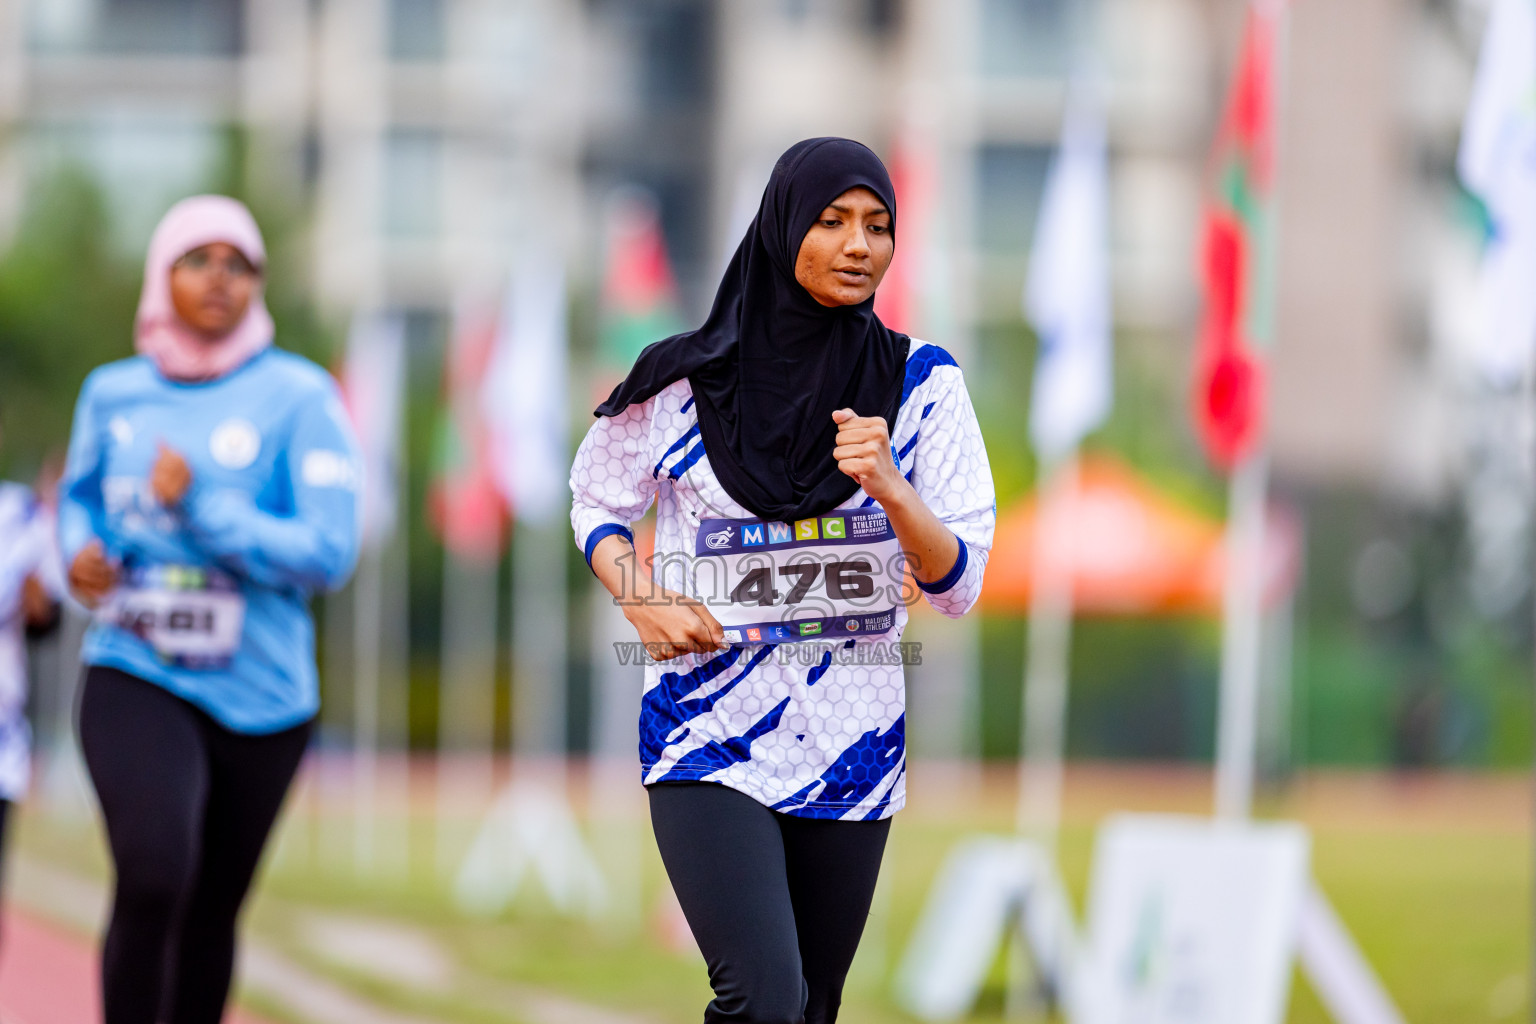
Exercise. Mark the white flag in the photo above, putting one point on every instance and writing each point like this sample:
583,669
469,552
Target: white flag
1497,162
524,396
1067,295
373,381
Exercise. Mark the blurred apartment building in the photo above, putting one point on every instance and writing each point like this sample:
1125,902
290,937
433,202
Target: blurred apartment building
426,141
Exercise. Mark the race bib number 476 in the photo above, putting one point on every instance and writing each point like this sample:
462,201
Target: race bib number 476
837,575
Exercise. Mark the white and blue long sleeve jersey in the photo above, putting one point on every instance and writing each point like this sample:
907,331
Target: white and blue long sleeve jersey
27,549
816,726
271,518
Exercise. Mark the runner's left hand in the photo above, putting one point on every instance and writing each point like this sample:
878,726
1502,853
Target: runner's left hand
170,477
864,452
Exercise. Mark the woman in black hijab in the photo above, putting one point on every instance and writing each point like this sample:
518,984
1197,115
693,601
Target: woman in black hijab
787,519
773,361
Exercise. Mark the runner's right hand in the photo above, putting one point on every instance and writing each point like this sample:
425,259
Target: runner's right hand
671,624
170,476
91,576
37,605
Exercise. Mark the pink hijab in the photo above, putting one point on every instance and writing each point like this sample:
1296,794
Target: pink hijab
178,351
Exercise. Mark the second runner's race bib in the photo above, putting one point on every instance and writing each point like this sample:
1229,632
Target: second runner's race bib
835,576
192,616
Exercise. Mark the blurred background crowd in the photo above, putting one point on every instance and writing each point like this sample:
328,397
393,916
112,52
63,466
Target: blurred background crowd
403,157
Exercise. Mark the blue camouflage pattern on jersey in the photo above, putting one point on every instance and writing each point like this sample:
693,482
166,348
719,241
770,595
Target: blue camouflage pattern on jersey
809,729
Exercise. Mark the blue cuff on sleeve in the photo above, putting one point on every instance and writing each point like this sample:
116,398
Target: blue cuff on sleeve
950,578
606,530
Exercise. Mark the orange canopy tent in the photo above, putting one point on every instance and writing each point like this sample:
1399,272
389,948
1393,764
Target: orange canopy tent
1132,551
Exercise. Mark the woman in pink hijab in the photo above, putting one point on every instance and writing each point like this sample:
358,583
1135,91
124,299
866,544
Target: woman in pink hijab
203,329
211,488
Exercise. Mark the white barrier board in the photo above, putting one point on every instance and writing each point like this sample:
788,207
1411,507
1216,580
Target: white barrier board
1191,922
988,886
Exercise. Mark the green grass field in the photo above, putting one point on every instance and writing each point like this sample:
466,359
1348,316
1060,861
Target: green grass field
1432,875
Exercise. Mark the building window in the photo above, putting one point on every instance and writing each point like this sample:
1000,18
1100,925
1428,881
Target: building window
1010,180
883,17
142,164
677,55
794,11
1027,38
417,30
202,27
413,184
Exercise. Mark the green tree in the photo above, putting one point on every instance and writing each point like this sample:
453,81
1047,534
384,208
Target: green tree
66,306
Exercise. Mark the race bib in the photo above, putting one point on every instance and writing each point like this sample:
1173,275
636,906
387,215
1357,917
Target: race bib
837,575
191,616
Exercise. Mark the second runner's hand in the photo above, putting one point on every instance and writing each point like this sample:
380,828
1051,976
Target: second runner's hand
170,477
91,575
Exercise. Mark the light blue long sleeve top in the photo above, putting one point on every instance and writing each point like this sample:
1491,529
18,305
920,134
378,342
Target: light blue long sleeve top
273,504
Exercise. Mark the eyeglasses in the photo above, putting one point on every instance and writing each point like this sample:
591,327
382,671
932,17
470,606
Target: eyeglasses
200,261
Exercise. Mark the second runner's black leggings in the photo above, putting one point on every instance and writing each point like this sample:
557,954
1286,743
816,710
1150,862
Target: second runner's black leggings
777,903
188,805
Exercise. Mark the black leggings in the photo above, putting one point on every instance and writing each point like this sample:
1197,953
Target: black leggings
776,903
188,806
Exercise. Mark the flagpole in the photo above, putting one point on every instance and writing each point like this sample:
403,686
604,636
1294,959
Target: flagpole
395,680
373,383
330,819
1044,706
616,687
443,789
1242,633
1043,710
539,712
367,614
466,686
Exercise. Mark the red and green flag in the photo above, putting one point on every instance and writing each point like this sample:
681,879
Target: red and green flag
1236,254
465,506
639,301
896,300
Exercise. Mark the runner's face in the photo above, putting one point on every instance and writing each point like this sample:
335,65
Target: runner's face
211,288
846,252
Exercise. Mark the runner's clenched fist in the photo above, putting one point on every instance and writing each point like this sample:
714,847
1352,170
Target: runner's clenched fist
864,452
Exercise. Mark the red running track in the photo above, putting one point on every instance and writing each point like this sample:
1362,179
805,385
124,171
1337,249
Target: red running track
49,975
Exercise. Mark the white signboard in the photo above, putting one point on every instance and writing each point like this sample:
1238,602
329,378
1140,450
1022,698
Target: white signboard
1191,921
990,888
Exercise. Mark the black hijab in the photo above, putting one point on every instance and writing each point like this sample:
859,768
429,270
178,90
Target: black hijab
771,364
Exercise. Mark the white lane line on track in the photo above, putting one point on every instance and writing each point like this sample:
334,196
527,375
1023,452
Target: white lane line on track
81,903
